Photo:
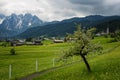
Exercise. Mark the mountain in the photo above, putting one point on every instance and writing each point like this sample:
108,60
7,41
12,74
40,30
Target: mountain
112,24
2,17
15,24
68,26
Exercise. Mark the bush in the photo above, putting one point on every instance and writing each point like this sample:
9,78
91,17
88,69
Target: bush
117,36
29,39
5,44
112,35
12,51
107,36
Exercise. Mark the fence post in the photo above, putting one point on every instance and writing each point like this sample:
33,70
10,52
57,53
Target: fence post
53,62
36,65
10,71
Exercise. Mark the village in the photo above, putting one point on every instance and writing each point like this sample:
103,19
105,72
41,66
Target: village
31,41
38,40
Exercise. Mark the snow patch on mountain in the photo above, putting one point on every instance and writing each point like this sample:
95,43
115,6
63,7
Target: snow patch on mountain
29,24
1,20
19,25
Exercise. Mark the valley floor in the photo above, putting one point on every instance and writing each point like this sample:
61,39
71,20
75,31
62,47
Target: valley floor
104,67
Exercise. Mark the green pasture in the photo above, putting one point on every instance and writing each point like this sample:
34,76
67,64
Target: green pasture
24,62
105,66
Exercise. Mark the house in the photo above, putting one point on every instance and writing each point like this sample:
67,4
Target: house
17,42
58,41
98,34
37,42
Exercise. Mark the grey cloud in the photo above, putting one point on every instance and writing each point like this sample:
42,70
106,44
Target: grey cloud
111,10
86,2
61,9
2,3
99,7
65,13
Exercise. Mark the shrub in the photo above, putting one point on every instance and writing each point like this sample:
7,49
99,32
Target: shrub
12,51
117,36
5,44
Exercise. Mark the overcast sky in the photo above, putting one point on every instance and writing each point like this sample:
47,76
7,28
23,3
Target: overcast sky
49,10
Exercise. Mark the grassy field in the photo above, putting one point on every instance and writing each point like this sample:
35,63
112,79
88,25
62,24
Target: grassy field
104,67
23,63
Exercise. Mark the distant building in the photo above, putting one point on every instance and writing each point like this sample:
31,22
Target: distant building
17,42
37,42
98,34
58,41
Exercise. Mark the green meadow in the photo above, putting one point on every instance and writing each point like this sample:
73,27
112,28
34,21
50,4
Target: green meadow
104,65
24,62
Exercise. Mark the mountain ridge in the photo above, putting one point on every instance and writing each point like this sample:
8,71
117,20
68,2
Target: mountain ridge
68,26
34,27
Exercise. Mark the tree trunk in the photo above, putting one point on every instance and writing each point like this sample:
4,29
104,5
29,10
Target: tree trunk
86,63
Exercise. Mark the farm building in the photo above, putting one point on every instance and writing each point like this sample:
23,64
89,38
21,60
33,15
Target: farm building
58,41
17,42
37,42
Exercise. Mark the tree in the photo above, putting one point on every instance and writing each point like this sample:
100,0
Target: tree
117,35
68,37
82,45
29,39
12,51
5,44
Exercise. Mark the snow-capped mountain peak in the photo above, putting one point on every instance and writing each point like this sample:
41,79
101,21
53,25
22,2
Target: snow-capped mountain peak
18,23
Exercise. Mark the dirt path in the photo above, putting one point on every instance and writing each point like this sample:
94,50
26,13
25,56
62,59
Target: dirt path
34,75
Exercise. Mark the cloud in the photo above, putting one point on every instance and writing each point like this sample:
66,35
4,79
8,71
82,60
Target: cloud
49,10
86,2
99,7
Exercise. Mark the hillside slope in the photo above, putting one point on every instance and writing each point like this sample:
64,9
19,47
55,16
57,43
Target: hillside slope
68,26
